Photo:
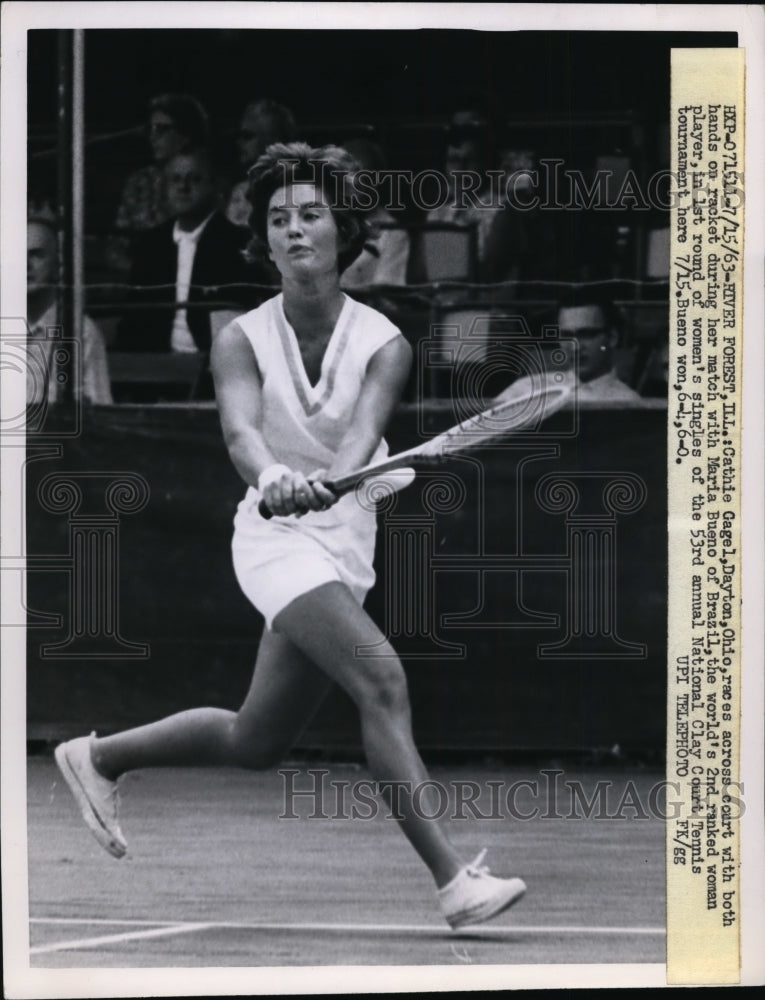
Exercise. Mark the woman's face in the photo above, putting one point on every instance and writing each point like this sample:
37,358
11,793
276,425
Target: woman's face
164,137
303,238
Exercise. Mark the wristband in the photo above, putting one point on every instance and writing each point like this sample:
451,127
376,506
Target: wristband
271,474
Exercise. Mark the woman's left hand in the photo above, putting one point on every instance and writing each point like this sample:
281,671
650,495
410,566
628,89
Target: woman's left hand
323,494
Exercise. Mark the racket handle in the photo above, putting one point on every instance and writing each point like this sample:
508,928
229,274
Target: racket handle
266,513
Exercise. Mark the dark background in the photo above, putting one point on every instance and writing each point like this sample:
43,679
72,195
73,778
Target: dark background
573,94
368,74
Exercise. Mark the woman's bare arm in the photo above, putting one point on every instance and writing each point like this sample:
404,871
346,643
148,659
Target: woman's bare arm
239,391
384,382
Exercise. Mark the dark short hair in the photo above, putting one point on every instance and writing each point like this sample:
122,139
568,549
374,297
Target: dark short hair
588,296
188,114
282,119
331,169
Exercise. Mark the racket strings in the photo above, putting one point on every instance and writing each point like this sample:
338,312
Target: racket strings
498,421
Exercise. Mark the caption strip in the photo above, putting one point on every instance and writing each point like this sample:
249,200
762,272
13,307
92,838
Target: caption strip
704,455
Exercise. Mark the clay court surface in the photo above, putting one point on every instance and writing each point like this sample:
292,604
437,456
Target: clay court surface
213,877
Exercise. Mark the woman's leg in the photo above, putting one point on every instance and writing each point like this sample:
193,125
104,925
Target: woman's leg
328,625
286,690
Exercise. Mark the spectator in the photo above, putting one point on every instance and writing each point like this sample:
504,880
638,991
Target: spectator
385,256
594,323
42,315
181,259
41,208
654,382
467,152
176,122
521,244
263,123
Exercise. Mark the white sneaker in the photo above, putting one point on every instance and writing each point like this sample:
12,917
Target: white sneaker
473,895
96,796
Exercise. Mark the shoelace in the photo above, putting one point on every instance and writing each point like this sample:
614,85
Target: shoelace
476,869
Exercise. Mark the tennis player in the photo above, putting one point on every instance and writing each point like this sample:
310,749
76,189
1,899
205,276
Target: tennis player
306,385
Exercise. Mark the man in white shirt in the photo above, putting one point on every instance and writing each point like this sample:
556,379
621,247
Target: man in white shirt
42,319
196,257
191,194
593,322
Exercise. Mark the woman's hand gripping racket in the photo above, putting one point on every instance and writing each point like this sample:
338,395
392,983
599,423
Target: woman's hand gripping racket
506,417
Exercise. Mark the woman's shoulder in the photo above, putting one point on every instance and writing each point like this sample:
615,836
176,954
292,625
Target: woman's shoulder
372,330
372,319
259,318
250,328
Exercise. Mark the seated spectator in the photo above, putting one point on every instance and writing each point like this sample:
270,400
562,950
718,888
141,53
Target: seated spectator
521,244
263,123
594,323
42,315
176,122
654,382
466,151
181,259
385,256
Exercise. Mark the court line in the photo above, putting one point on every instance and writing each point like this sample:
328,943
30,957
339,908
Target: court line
428,930
104,922
417,930
93,942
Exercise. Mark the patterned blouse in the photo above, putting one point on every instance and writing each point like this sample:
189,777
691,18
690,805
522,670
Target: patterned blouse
144,200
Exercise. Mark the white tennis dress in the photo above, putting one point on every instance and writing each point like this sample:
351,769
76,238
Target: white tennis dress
278,560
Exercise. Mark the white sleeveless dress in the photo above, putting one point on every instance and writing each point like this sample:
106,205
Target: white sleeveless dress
277,560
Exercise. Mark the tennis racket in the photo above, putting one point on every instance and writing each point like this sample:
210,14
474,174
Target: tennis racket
506,417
